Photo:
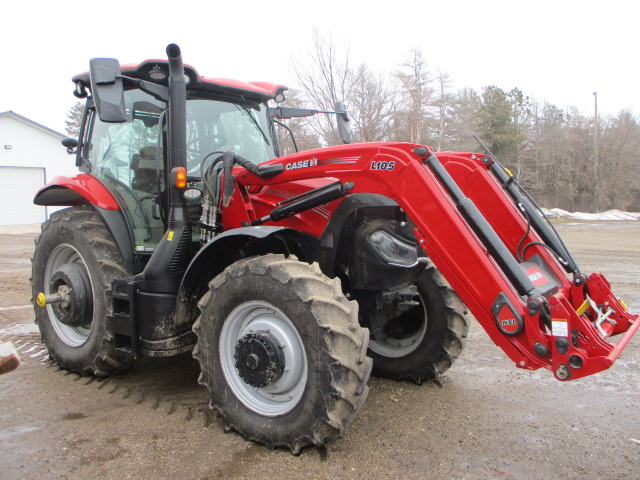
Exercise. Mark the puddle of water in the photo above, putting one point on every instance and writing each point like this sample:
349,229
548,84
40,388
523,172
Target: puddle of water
74,416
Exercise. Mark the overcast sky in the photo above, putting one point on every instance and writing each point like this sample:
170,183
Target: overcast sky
561,51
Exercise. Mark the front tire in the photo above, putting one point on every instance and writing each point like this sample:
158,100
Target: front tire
281,352
75,254
426,341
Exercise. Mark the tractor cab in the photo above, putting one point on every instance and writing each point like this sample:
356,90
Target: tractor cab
130,156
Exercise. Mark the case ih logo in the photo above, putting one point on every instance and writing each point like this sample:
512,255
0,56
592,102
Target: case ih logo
312,162
536,276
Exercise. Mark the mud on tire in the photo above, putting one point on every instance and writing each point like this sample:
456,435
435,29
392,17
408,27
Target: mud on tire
74,243
313,381
431,347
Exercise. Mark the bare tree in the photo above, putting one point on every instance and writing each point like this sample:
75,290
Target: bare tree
444,101
415,80
465,121
570,183
619,166
372,106
324,77
299,136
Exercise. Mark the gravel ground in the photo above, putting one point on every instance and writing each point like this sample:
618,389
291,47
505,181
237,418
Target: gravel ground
484,419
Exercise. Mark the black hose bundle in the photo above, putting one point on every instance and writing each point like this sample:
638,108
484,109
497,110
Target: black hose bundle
229,159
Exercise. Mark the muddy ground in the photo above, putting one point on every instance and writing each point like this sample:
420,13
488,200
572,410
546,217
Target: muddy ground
485,419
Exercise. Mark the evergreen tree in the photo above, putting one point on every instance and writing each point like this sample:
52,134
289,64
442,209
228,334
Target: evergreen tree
74,121
497,126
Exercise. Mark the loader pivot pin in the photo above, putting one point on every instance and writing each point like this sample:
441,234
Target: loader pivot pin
421,151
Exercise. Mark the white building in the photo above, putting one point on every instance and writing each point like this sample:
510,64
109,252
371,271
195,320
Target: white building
30,156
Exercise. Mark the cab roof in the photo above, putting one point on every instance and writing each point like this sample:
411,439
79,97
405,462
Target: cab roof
157,71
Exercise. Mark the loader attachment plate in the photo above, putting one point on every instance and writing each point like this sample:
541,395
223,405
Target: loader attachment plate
579,337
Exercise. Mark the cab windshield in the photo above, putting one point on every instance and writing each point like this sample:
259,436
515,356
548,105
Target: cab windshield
129,158
221,126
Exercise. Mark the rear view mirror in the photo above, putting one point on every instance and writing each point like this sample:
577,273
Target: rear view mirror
70,144
344,127
107,89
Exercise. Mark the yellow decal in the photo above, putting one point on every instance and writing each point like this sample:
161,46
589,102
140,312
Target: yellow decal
624,305
170,236
582,308
508,172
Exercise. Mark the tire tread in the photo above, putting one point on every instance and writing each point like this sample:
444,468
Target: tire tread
106,361
341,336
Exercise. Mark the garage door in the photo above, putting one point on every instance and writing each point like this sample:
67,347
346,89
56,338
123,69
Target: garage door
18,185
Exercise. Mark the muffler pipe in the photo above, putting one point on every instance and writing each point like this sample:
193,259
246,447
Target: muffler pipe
177,109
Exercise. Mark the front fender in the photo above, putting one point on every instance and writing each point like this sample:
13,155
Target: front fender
221,252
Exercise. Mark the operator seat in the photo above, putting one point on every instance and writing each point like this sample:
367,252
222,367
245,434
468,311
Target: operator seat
144,166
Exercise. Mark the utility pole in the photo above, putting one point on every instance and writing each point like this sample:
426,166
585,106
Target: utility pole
595,155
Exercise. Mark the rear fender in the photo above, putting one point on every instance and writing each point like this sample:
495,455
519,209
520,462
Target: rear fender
85,189
228,248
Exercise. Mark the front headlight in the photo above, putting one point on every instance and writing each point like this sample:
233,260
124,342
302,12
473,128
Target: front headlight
392,249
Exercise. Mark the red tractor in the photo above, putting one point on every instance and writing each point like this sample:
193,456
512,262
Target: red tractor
292,278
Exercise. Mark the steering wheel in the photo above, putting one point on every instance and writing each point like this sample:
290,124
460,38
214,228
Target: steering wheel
194,157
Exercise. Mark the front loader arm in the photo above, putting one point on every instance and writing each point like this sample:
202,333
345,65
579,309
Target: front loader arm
471,229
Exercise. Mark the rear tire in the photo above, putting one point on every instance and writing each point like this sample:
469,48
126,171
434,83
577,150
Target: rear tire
428,345
281,352
75,248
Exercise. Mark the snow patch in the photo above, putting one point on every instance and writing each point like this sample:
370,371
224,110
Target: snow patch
609,215
19,307
20,329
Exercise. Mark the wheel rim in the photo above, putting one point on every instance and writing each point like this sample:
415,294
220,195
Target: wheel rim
394,345
282,395
74,336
